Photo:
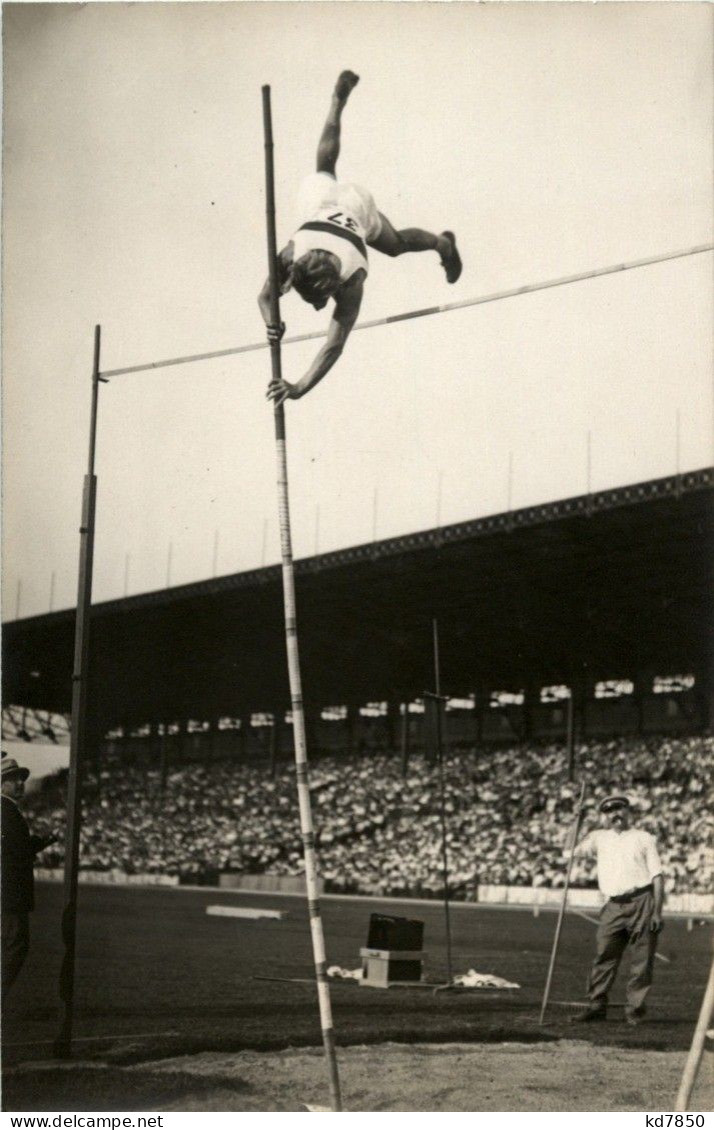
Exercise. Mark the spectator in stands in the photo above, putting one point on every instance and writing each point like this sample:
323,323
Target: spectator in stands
377,831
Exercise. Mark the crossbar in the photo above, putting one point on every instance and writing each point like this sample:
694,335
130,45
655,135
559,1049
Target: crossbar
497,296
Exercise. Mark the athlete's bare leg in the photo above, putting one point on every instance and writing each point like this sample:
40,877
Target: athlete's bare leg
328,149
392,242
389,241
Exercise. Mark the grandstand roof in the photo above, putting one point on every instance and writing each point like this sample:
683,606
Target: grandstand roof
608,584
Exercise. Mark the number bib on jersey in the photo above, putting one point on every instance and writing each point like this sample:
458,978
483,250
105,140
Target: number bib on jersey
336,231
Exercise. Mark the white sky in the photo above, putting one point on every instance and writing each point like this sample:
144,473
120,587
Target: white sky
552,138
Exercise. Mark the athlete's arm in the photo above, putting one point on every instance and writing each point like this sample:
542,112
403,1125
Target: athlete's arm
347,307
285,259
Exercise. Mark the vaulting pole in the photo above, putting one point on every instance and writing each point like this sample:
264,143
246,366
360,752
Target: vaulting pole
561,913
78,731
306,828
691,1067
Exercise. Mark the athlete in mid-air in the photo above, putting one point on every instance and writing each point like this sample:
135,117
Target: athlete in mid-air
327,256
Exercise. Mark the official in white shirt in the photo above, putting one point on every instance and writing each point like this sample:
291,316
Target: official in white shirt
630,877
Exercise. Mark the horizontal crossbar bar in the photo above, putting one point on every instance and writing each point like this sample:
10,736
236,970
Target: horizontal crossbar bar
495,297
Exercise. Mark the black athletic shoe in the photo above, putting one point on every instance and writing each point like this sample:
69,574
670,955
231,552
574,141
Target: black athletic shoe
346,84
451,262
590,1015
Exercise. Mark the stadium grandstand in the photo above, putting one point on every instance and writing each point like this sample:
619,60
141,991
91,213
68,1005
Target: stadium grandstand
606,598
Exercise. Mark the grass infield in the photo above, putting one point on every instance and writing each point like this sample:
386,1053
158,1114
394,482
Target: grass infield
158,977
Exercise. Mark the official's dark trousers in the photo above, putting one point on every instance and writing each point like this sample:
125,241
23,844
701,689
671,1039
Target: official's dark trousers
623,922
15,945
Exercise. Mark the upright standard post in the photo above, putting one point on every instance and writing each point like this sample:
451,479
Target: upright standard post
405,739
561,913
308,837
275,731
570,737
439,706
691,1067
164,755
78,732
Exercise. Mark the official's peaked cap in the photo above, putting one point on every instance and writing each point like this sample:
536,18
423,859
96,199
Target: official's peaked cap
617,800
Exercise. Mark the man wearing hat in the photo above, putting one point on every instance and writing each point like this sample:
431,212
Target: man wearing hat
19,849
629,875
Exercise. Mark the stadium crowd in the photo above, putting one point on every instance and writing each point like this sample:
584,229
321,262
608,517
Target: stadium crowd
507,812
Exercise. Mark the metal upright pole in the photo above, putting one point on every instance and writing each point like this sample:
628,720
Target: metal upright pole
563,904
164,755
570,737
405,738
275,732
439,706
306,826
78,733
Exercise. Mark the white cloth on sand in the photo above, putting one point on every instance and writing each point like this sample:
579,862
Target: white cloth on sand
474,980
344,974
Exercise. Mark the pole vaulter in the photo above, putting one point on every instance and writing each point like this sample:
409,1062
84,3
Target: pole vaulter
291,638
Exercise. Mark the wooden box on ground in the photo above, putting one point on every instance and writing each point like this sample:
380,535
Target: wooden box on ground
393,954
382,968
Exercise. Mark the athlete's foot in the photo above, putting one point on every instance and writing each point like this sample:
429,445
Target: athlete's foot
450,258
345,85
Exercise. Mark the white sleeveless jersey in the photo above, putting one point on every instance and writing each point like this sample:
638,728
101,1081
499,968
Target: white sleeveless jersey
337,231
